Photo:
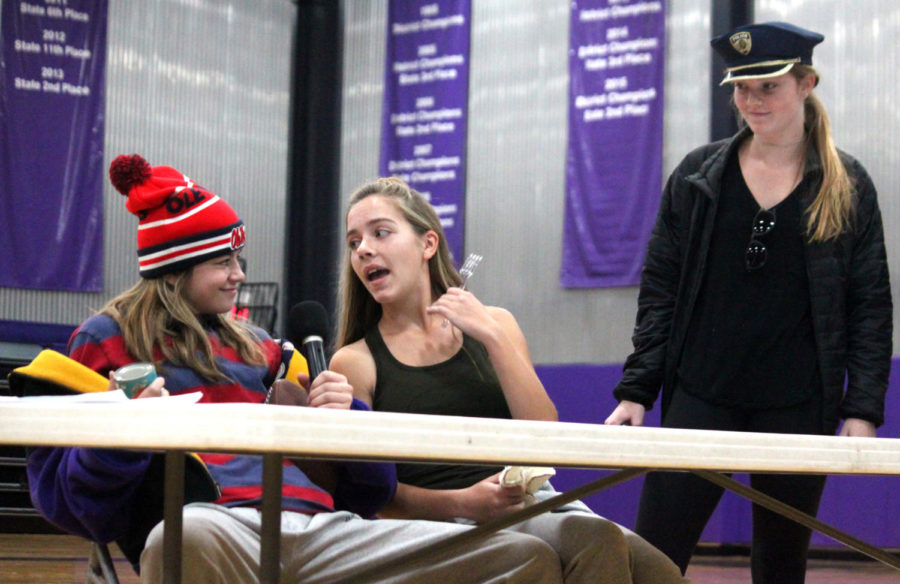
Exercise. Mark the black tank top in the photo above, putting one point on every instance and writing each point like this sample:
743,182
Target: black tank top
464,385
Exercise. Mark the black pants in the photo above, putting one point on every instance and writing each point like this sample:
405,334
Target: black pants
675,507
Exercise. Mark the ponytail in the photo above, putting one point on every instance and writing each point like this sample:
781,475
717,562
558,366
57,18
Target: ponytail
830,212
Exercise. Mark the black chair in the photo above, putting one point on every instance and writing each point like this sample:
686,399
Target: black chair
17,515
101,569
257,302
15,505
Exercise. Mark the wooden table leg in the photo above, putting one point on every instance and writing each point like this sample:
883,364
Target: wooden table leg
270,545
172,524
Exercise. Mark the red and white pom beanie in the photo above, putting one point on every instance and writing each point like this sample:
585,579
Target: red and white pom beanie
181,223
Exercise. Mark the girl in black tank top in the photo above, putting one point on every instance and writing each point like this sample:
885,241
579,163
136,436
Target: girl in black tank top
411,340
464,385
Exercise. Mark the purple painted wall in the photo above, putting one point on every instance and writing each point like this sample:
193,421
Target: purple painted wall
867,507
46,335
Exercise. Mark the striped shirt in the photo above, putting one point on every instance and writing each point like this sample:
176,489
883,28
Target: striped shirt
98,343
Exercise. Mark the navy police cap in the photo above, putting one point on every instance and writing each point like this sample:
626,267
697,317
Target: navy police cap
768,49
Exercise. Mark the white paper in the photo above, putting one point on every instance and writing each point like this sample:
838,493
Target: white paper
113,396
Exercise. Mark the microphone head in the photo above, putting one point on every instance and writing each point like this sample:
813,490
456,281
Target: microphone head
305,319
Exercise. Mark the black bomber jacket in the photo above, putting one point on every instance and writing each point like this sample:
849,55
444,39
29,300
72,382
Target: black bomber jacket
850,296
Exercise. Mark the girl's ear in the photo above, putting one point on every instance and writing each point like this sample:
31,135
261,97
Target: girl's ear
170,279
808,83
431,244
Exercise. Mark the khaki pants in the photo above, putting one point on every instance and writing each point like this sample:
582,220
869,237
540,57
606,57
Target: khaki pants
221,545
594,550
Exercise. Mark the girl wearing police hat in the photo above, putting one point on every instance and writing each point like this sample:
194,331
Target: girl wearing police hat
765,287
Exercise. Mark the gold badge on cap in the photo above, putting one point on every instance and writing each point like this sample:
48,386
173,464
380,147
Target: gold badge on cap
741,42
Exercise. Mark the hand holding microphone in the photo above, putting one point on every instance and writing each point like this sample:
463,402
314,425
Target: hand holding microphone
308,323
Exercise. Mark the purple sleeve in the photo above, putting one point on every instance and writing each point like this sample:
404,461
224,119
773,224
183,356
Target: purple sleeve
365,487
87,492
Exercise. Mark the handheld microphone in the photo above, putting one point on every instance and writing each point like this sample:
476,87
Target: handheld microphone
308,323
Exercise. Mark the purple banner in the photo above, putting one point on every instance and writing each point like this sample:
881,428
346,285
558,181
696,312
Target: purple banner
426,90
614,155
51,144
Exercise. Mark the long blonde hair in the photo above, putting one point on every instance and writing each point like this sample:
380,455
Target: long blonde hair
154,316
830,212
358,311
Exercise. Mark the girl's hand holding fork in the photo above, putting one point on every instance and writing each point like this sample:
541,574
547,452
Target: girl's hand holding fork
467,313
498,331
465,272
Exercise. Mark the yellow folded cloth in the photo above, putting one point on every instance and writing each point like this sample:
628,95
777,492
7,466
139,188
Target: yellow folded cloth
54,373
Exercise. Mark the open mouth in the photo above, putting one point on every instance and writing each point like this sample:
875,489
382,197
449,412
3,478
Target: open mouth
376,274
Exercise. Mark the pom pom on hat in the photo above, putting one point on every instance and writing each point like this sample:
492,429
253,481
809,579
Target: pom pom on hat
181,223
126,172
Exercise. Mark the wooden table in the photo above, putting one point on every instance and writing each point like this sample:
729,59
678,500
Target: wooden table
277,431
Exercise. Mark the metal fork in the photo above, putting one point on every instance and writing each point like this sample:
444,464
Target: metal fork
465,272
468,267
